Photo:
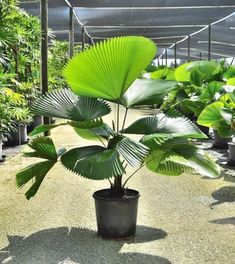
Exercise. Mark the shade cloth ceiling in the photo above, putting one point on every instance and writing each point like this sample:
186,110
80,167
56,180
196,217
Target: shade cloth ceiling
166,22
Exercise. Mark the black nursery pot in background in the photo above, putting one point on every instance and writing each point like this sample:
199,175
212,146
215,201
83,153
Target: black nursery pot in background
116,217
37,120
18,137
220,142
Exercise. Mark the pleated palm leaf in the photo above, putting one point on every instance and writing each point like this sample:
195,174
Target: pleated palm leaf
109,71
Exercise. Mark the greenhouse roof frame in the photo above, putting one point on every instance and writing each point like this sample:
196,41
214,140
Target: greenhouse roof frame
168,23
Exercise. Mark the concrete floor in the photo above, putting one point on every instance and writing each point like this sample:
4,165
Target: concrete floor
182,220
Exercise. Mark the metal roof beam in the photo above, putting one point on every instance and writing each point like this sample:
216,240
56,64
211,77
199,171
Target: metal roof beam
158,7
217,42
153,26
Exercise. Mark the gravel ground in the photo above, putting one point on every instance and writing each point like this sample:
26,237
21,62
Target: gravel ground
182,220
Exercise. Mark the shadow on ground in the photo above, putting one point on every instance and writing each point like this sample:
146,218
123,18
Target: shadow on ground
224,221
223,195
77,245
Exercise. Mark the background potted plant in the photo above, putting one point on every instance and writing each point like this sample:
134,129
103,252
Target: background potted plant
220,116
19,62
105,72
200,83
10,111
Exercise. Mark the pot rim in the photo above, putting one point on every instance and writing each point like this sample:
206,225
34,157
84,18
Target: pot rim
231,143
133,195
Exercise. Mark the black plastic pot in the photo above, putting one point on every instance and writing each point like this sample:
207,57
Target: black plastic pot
3,158
19,137
231,152
37,120
204,129
116,217
220,142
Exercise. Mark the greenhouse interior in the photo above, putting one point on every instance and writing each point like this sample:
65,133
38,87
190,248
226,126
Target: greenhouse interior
117,131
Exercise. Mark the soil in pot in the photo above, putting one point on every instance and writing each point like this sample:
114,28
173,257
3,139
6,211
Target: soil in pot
116,216
220,142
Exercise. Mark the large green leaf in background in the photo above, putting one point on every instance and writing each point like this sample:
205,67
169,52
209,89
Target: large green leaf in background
197,72
230,73
210,91
213,116
161,123
145,92
43,148
65,104
107,69
231,81
181,73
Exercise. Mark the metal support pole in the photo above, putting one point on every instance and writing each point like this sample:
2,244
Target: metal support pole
175,47
158,62
209,42
200,56
189,46
44,50
90,41
231,63
83,38
166,56
162,59
71,32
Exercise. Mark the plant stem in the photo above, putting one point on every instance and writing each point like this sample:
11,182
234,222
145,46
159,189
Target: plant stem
111,184
139,169
118,182
124,119
100,140
118,112
116,188
133,174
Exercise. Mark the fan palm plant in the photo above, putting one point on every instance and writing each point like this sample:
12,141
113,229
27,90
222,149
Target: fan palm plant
109,72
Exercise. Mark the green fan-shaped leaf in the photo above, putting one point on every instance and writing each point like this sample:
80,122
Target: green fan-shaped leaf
231,81
132,151
211,90
197,71
37,171
213,116
206,71
93,162
160,73
93,130
178,155
65,104
44,148
144,92
230,73
161,123
173,168
157,138
107,69
44,128
181,73
151,68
